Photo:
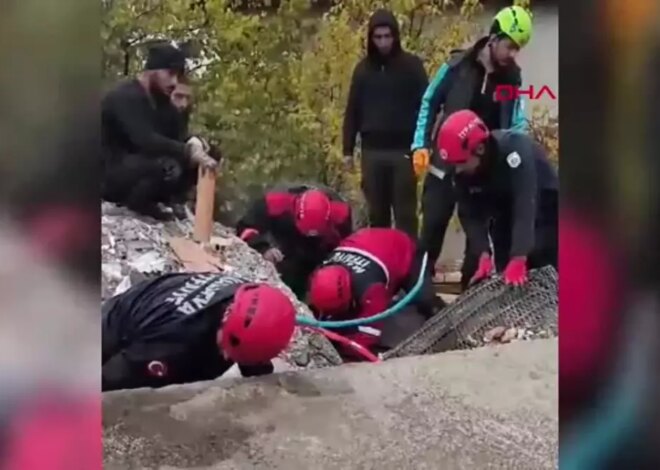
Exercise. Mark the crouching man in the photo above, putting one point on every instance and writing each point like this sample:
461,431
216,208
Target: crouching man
361,278
506,188
144,156
296,228
187,327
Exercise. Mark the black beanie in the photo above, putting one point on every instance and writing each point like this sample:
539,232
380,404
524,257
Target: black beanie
166,57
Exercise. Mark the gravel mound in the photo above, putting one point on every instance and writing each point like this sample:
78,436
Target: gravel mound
135,248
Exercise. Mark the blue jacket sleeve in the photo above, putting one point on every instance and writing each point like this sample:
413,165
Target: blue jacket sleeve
427,113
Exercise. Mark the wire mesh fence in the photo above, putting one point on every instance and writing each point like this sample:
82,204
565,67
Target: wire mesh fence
532,310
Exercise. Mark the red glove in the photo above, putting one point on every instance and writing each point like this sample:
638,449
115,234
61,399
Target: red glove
484,269
515,273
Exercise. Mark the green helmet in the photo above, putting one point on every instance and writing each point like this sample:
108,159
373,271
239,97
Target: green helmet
514,22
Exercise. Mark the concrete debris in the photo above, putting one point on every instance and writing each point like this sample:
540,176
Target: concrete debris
503,335
509,335
494,334
490,408
135,248
149,262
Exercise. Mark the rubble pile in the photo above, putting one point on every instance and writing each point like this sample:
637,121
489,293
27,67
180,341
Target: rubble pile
135,248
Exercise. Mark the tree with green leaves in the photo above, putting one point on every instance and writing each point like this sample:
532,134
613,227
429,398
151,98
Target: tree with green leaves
271,84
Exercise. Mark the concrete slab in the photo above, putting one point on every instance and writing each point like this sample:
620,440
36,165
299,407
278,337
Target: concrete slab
492,408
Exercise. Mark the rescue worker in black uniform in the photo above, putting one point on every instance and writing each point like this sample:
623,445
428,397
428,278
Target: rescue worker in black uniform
296,228
504,177
468,80
143,154
189,327
362,277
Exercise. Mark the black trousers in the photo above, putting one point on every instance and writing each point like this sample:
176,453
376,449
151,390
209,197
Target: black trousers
389,185
438,204
138,181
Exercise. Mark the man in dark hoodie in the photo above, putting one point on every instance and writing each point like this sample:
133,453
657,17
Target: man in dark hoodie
385,94
468,80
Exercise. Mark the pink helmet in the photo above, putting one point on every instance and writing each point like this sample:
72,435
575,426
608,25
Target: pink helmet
330,289
258,324
312,212
460,135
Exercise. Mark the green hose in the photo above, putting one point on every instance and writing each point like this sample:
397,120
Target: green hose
393,310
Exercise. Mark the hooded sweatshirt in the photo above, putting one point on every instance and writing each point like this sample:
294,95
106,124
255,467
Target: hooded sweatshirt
385,94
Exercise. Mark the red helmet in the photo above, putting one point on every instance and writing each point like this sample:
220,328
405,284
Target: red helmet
460,135
312,212
258,324
330,289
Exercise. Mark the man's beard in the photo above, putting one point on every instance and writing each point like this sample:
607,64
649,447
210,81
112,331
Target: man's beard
158,93
384,54
504,63
493,58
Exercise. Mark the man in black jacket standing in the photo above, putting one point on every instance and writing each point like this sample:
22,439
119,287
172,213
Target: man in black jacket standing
385,94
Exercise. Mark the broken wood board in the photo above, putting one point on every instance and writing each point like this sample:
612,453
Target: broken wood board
454,289
193,256
204,204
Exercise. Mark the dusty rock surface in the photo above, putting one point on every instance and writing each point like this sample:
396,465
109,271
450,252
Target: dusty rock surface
489,408
135,248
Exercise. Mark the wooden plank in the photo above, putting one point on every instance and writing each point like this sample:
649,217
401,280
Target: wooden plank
193,256
449,288
204,204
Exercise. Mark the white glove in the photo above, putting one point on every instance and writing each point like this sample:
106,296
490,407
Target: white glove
274,255
197,153
199,141
207,147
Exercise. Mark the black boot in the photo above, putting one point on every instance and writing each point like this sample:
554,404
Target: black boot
142,201
179,211
153,211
